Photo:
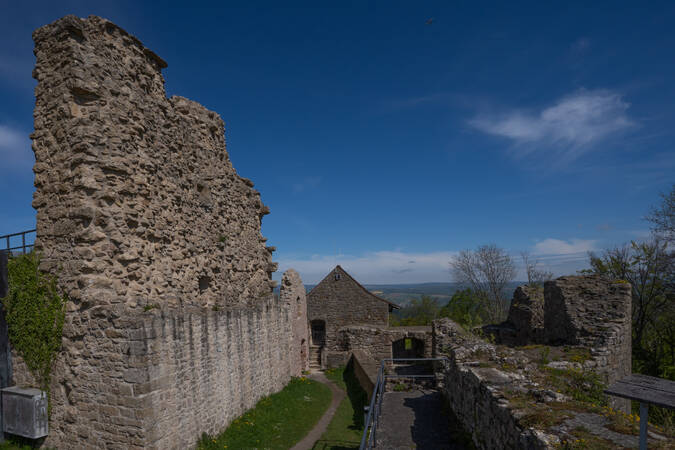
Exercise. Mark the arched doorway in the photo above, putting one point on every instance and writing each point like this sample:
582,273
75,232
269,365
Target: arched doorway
318,332
408,348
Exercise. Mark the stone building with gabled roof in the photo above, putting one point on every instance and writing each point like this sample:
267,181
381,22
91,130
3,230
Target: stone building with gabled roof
338,301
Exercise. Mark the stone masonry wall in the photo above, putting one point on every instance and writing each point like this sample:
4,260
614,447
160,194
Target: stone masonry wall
293,296
377,341
137,201
171,328
527,314
595,312
589,311
513,397
161,378
473,393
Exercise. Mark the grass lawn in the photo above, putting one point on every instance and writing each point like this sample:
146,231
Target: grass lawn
346,428
276,422
14,444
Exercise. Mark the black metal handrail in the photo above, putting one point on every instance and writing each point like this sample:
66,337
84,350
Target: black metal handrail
23,246
372,419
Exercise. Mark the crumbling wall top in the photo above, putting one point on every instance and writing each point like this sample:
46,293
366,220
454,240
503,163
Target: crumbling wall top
137,200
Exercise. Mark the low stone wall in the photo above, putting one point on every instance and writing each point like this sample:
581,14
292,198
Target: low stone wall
472,394
162,378
510,397
377,341
365,370
208,368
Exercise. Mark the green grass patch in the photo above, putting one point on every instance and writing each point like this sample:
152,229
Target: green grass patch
14,442
337,376
583,386
345,430
276,422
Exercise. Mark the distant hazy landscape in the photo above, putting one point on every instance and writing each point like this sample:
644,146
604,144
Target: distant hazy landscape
402,294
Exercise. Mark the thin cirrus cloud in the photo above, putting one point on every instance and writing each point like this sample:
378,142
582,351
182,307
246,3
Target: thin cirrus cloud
560,248
397,267
571,125
15,152
383,267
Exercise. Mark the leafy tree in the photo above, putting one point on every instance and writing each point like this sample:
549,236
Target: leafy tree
487,271
662,217
466,308
420,311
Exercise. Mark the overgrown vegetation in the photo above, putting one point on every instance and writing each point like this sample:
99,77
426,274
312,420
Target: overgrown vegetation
35,312
276,422
346,427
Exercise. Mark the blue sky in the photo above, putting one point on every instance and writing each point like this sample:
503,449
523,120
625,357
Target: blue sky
386,144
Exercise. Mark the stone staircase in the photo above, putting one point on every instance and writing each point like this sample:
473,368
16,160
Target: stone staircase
314,357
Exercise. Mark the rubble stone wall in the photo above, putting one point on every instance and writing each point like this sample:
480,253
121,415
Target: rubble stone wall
171,328
473,392
137,200
293,296
526,314
589,311
594,312
377,341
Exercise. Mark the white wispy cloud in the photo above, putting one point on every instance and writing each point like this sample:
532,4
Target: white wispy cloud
15,152
375,267
571,125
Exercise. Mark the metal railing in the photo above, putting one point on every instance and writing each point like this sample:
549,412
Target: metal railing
372,419
6,241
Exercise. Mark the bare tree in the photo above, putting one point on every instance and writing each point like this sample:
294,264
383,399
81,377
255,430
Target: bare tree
535,276
487,270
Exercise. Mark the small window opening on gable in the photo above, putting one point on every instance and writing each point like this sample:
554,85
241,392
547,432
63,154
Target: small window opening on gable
337,276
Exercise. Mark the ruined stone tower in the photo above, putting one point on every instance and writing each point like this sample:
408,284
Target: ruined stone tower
156,241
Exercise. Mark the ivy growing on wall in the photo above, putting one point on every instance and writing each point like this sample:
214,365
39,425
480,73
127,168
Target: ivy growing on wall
35,313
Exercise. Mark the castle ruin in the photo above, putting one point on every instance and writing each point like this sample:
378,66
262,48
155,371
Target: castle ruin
156,241
172,329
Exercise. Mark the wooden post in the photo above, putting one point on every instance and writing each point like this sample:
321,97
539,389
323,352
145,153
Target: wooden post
644,417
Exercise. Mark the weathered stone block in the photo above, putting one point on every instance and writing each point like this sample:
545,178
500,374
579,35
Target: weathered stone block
581,310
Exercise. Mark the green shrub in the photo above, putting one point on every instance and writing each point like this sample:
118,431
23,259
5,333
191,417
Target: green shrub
35,313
